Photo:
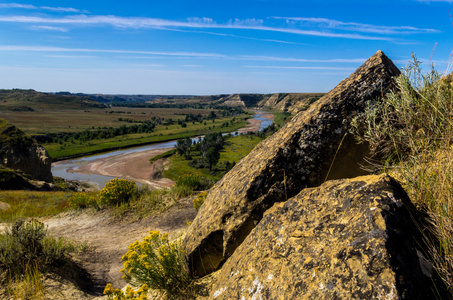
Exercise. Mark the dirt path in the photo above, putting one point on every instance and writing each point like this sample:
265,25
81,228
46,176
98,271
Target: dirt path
108,239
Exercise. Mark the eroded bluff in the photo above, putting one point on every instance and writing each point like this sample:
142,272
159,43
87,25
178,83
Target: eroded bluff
346,239
20,152
298,156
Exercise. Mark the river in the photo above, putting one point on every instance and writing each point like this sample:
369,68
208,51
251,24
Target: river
70,169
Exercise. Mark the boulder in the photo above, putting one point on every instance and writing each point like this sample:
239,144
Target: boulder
21,152
346,239
299,155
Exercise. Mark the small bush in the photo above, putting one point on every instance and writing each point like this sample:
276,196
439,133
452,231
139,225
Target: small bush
117,191
198,202
27,244
82,200
194,181
158,263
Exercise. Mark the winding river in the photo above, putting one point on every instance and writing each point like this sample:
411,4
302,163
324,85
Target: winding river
69,169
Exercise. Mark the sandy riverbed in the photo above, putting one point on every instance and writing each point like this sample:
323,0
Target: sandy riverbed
135,166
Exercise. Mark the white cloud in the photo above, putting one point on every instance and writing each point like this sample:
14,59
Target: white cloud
28,6
62,9
84,50
355,27
156,54
301,68
137,23
16,5
49,28
246,22
286,59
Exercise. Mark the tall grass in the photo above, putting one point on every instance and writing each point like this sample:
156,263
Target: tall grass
32,204
410,136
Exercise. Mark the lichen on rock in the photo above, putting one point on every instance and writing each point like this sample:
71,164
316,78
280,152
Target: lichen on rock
346,239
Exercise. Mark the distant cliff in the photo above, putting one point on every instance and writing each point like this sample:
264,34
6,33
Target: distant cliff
22,153
291,102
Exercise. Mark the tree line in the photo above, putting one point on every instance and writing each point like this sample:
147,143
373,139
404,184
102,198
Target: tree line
101,133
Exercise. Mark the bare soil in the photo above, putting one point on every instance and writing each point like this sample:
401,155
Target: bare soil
107,240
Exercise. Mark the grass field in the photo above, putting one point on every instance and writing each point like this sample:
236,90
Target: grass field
161,134
30,204
73,120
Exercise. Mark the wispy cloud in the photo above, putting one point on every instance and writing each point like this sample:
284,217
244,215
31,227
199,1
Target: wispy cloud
85,50
157,54
199,23
71,56
17,5
301,68
448,1
355,27
50,28
286,59
28,6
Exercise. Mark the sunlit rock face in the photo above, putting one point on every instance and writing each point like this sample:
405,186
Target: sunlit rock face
346,239
299,155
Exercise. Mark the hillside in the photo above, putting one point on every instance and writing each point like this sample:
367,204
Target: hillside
31,100
290,102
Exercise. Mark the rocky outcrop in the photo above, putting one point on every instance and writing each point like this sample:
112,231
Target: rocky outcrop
287,102
299,155
20,152
290,102
346,239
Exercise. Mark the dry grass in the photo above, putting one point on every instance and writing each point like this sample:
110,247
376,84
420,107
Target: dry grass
32,204
411,135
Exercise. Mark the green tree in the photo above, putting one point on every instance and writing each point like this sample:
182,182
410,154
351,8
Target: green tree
212,157
183,147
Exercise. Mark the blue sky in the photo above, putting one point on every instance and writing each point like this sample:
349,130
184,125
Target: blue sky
212,47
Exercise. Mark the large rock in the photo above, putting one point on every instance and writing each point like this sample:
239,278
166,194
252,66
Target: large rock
299,155
20,152
346,239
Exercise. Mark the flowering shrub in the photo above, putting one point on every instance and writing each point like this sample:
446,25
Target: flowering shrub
117,294
197,202
158,263
117,191
190,180
82,200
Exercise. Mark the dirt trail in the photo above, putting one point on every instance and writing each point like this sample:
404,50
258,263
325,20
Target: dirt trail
109,238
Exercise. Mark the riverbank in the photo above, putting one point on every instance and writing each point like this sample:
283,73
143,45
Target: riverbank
161,134
135,165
